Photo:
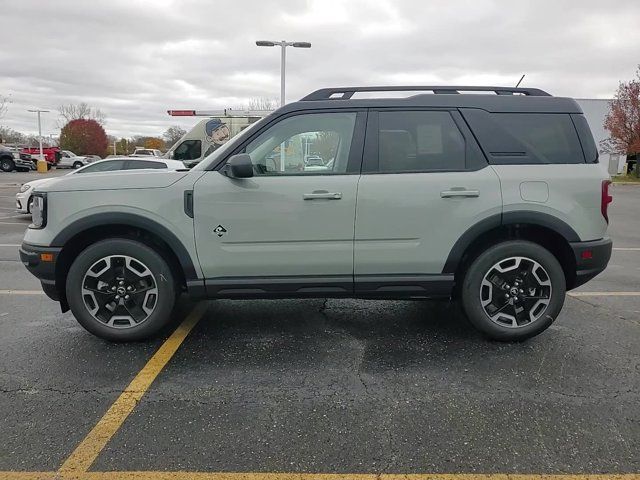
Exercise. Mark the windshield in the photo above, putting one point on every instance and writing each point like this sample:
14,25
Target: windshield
214,156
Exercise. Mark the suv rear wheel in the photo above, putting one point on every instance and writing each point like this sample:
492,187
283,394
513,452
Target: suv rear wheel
121,290
513,290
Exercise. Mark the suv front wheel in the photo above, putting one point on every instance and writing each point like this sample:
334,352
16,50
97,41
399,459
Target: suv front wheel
513,290
121,290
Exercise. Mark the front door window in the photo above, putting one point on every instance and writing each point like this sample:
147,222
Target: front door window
304,144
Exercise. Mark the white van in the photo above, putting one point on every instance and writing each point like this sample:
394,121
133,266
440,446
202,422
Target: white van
210,133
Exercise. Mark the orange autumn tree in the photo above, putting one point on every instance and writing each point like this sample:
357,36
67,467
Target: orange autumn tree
154,143
623,120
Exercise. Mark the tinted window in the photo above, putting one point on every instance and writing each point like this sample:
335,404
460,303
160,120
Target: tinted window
415,141
188,150
586,138
283,148
547,138
107,166
138,164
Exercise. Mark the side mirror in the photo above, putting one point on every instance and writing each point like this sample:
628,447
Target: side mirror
239,166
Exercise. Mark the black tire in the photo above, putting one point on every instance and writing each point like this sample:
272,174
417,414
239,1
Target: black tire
77,165
163,279
497,329
7,164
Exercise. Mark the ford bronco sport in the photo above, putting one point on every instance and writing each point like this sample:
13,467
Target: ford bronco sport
490,195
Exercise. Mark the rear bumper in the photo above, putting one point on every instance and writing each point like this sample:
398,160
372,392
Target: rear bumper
591,259
45,271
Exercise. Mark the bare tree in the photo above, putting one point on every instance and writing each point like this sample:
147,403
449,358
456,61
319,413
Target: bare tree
9,135
79,111
173,134
262,103
4,105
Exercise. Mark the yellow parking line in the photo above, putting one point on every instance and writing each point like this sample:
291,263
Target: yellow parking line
162,475
85,454
604,294
27,475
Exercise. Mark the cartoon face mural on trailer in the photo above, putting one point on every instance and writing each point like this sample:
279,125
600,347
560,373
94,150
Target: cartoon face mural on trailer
217,133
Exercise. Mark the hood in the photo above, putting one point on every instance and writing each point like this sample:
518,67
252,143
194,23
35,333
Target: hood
38,183
118,180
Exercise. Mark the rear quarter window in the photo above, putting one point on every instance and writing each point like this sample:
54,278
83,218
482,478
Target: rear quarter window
526,138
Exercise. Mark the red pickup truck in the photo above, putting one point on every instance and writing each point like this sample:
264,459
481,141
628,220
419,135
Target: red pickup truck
51,154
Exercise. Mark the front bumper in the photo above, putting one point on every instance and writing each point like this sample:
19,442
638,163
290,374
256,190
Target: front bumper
42,267
591,259
22,163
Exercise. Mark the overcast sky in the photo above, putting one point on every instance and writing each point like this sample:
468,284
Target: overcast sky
135,59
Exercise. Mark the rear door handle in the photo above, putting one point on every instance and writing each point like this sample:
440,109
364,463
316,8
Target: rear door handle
322,195
459,192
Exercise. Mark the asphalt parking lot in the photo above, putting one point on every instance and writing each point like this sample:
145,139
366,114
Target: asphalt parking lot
297,389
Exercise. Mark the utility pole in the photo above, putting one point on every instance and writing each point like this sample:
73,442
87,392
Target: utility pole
39,129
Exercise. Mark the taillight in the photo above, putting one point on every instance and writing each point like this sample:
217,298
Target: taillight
605,199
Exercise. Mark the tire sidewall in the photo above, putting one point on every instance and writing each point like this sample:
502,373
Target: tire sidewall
479,268
6,165
160,316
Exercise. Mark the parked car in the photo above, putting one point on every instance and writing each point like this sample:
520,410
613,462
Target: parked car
448,195
68,159
146,152
94,158
24,197
11,159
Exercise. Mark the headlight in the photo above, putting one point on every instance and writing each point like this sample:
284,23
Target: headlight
25,187
39,210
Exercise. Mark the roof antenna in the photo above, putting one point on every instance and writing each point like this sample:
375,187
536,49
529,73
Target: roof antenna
520,81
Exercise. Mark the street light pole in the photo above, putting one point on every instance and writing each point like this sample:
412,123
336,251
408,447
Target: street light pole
283,69
39,129
283,44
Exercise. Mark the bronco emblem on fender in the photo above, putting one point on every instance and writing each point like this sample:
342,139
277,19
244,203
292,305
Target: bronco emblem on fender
220,230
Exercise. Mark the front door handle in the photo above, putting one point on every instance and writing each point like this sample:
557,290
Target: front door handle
459,192
322,195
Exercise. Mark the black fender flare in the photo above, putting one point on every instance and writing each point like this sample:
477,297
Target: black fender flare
525,217
134,221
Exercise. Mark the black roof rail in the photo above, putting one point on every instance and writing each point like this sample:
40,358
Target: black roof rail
345,93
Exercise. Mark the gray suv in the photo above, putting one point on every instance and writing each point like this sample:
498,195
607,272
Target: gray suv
490,195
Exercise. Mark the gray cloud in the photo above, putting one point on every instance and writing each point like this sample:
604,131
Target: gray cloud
135,59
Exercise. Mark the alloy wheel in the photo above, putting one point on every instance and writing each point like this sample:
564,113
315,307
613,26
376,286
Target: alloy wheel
515,292
119,291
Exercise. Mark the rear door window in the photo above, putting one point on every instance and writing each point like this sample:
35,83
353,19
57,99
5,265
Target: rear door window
419,141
